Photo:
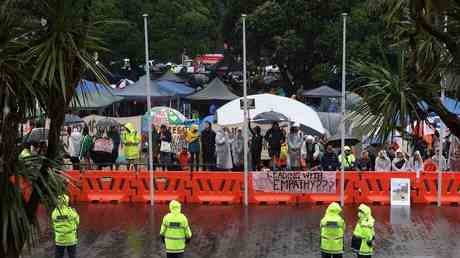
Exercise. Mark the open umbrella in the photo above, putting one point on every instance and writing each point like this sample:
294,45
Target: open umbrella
162,116
349,141
72,119
37,135
269,117
107,123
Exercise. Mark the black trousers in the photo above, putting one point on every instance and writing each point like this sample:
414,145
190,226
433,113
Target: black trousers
255,160
71,251
325,255
174,255
363,256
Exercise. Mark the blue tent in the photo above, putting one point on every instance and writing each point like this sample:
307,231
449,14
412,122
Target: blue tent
178,89
138,90
451,104
92,95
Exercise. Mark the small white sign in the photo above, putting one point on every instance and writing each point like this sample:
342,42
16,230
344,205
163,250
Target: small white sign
400,191
251,103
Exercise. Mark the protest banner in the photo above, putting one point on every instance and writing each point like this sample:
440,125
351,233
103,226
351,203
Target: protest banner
294,182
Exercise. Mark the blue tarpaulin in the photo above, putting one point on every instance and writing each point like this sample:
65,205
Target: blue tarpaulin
92,95
138,90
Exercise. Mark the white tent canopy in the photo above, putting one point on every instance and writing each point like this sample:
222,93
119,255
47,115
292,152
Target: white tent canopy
297,112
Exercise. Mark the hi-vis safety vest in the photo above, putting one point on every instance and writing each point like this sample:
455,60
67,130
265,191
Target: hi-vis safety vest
332,230
65,221
175,229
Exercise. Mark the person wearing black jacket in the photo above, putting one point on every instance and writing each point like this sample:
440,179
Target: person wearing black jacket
256,146
275,137
208,147
330,161
165,156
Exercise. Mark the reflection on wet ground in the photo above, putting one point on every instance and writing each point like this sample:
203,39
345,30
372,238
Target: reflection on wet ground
128,230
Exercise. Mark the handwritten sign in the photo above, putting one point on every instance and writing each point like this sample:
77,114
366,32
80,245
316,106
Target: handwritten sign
294,182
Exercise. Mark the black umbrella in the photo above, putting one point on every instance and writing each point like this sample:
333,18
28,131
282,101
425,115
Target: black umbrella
349,141
269,117
107,123
37,135
72,119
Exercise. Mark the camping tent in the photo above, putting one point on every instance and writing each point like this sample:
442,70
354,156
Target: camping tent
178,89
92,95
169,76
231,114
138,90
322,91
216,90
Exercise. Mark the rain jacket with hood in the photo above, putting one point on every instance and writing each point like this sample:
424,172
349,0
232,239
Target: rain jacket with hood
192,136
131,140
65,221
175,230
363,235
332,230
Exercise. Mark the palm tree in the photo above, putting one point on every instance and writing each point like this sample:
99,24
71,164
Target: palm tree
45,47
415,26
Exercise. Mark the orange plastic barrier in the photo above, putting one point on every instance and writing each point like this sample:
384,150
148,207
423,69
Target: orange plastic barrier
216,187
105,186
351,179
375,187
168,186
428,188
265,198
73,184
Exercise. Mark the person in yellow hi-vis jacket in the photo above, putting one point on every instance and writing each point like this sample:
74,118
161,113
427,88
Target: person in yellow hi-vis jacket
332,232
175,231
65,221
363,235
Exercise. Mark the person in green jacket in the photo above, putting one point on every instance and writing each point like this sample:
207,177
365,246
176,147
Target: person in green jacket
363,235
64,222
332,232
175,231
131,140
349,161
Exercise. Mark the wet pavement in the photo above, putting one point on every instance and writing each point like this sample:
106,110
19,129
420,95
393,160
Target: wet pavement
129,230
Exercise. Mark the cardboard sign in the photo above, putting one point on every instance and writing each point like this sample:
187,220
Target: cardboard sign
294,182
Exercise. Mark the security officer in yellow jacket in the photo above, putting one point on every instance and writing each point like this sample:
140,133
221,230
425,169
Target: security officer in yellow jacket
363,235
131,140
332,232
175,231
65,221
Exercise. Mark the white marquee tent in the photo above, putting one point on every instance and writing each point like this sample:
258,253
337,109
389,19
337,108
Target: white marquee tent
231,114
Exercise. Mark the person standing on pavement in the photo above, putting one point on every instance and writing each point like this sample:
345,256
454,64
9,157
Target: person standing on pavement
192,136
332,232
223,149
208,147
294,147
165,148
275,137
256,147
175,231
65,222
364,234
131,140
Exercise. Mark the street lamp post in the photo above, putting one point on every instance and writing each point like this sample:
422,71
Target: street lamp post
149,107
245,121
342,125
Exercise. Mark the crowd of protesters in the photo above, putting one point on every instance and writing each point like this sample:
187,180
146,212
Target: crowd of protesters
222,149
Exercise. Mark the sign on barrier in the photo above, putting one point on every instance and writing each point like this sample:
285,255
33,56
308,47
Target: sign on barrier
294,182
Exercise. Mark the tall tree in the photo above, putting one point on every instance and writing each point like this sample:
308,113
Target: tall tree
431,54
46,46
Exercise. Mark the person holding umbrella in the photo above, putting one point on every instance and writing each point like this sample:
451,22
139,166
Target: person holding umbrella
275,137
